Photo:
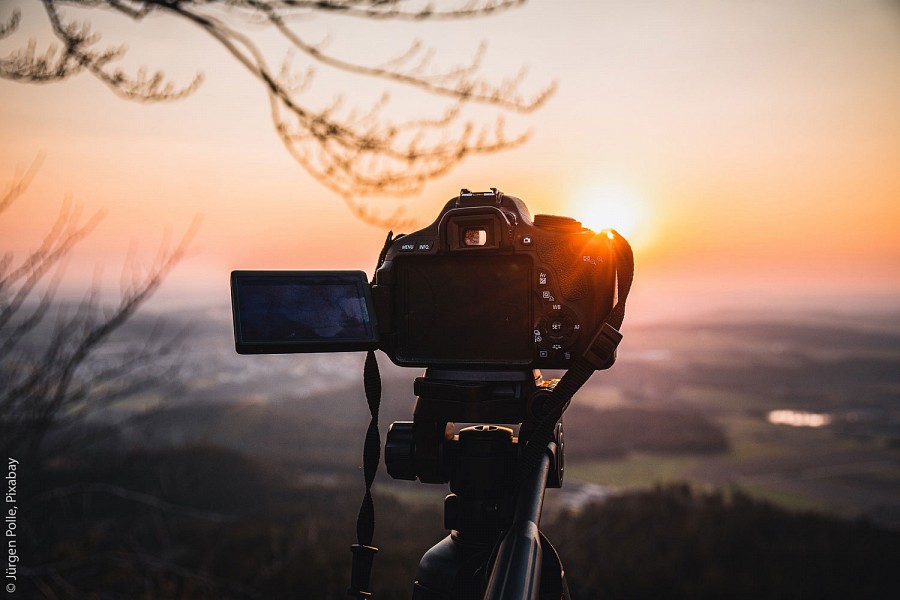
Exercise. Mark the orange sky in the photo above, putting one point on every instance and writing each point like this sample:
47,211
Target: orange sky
751,150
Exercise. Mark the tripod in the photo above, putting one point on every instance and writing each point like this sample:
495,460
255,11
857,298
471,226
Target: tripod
495,549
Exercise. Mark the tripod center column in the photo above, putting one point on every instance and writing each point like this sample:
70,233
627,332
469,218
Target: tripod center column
482,482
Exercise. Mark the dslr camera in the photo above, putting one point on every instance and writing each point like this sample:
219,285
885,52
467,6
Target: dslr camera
485,286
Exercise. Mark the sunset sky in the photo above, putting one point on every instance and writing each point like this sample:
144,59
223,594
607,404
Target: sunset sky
749,149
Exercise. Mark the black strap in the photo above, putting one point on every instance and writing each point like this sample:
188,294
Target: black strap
599,354
363,551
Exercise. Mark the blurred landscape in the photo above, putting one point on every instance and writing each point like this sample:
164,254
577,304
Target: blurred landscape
800,410
712,452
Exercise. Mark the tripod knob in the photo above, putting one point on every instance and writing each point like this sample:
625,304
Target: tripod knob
400,451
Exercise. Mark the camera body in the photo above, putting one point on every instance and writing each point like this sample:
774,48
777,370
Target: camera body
484,286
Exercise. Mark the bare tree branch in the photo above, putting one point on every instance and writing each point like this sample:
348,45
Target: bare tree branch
11,25
40,385
65,233
353,152
77,54
19,183
394,9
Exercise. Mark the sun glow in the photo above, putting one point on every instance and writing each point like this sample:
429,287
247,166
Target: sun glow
612,206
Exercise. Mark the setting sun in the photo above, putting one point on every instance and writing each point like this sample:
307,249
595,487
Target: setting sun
612,206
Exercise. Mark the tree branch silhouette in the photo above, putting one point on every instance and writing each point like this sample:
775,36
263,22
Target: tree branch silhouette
51,373
353,152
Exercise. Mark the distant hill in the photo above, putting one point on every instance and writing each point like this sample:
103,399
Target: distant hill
701,391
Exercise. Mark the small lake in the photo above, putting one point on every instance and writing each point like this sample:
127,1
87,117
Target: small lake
796,418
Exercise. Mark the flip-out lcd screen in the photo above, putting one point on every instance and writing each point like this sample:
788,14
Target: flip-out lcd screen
302,311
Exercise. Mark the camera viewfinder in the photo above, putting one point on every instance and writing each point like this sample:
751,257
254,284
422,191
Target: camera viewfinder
475,236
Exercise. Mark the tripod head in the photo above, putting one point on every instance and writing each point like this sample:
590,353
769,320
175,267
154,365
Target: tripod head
426,447
488,503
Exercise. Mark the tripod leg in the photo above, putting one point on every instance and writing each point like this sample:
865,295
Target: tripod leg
553,576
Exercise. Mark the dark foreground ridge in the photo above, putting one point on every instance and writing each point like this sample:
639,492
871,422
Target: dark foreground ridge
202,522
245,483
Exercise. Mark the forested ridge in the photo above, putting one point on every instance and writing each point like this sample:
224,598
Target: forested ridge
203,522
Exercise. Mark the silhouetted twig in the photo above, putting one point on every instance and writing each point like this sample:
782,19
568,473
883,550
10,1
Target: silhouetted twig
353,152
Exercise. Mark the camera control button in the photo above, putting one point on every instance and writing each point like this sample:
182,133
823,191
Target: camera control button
559,326
407,247
425,246
543,279
526,240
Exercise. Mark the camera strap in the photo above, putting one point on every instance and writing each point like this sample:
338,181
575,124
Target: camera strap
363,550
599,355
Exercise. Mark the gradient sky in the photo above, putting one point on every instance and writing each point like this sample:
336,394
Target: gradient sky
749,149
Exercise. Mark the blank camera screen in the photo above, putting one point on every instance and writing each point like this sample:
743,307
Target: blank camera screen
303,308
472,309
